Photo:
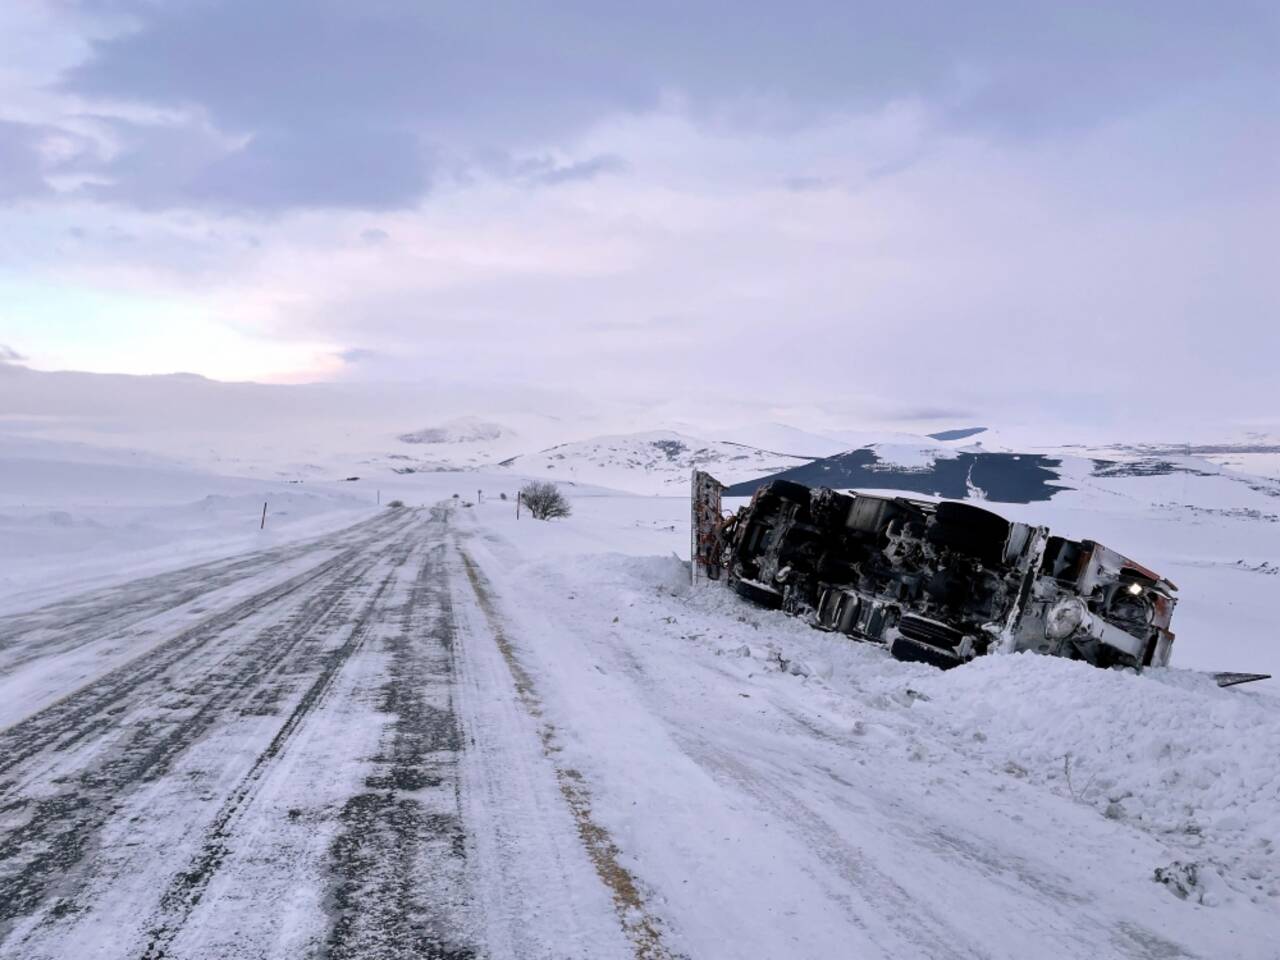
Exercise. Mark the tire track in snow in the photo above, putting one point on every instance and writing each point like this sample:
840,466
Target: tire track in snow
80,715
41,857
917,923
400,887
188,887
642,927
122,609
1019,877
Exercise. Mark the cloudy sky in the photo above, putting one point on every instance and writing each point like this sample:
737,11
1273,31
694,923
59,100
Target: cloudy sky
902,210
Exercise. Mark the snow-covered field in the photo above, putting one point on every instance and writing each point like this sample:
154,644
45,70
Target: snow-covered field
367,732
73,515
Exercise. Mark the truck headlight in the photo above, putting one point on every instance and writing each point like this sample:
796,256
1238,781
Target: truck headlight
1064,618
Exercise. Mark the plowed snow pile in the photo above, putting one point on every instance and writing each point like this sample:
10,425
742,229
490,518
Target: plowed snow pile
72,515
1168,752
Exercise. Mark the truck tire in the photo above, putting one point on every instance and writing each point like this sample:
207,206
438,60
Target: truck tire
912,651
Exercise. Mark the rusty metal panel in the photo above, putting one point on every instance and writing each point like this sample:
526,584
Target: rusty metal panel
704,527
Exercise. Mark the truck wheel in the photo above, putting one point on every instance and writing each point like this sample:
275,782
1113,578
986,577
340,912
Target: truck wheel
911,651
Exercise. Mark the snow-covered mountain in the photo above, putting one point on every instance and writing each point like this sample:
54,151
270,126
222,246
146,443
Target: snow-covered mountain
775,437
456,431
654,462
463,443
1258,454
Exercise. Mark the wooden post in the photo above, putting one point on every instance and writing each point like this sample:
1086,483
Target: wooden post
517,506
263,525
379,498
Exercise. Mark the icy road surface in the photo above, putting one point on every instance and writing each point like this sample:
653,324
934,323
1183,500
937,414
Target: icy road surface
439,735
265,757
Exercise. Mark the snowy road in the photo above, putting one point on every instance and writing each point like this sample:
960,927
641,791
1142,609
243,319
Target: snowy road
422,737
260,757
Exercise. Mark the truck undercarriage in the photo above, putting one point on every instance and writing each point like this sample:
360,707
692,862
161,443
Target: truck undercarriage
938,582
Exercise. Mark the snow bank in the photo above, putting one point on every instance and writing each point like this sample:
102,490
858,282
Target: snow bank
1168,753
53,552
74,515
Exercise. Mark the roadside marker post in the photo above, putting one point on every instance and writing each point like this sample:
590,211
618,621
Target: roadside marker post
263,524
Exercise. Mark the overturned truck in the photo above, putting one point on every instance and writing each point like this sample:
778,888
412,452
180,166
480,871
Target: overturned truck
938,582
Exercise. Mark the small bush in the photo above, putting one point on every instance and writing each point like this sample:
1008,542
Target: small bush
544,500
395,504
502,496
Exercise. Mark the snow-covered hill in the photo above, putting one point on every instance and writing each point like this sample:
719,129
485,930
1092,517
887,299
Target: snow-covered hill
658,462
778,437
462,443
456,431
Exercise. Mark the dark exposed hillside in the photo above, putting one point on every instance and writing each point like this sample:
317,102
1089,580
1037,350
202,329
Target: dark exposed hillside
1003,477
961,434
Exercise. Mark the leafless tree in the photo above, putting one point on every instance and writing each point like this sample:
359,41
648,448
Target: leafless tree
544,500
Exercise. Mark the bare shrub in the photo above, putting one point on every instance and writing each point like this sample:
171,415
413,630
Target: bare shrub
544,500
395,504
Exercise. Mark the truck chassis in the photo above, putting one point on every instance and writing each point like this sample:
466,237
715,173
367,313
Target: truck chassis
938,582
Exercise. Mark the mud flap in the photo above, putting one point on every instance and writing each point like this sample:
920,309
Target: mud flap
758,593
1232,679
